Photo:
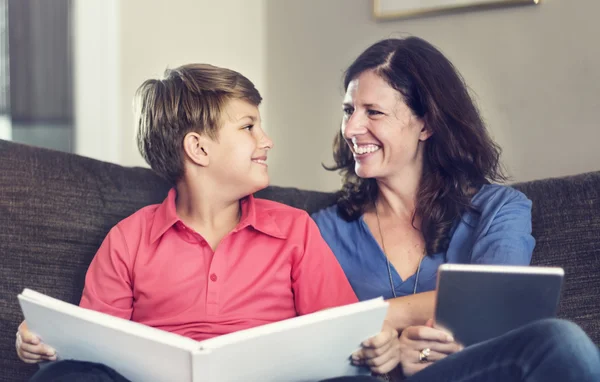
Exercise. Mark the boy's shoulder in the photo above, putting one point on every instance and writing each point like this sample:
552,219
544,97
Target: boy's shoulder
139,220
290,221
278,210
287,219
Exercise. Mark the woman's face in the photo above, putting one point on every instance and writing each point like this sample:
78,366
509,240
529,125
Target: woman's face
380,129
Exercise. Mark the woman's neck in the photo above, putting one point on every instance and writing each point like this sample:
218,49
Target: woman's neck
397,196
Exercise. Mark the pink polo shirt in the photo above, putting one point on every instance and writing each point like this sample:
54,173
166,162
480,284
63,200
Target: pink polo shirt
274,265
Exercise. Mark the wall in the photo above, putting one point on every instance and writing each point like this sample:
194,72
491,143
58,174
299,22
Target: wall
158,34
96,55
535,71
119,44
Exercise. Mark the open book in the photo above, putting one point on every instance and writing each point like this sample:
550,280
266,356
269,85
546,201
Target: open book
305,348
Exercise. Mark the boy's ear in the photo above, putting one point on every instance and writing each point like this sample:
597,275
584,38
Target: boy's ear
195,147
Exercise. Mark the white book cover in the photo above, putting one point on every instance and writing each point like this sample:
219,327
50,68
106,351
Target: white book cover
305,348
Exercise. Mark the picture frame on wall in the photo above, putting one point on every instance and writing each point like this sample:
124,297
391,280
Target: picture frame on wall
398,9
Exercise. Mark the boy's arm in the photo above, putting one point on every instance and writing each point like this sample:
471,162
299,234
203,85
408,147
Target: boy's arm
318,280
108,286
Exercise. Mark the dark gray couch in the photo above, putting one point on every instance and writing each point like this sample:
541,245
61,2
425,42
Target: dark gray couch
56,208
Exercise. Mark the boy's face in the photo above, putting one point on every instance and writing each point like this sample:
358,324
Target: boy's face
238,157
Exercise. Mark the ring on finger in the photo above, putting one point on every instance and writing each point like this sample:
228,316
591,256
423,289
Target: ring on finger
424,354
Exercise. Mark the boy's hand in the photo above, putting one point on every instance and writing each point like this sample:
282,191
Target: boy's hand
29,347
415,339
381,352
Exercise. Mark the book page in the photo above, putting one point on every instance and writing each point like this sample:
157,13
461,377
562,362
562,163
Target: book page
306,348
138,352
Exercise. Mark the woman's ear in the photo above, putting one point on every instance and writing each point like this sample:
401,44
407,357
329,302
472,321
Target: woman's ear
425,133
195,147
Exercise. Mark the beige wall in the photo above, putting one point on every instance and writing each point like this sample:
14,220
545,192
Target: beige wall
157,34
97,98
535,71
152,35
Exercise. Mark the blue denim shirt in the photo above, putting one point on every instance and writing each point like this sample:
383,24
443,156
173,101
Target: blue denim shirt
499,234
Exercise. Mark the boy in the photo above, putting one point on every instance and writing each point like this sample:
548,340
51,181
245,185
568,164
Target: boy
211,259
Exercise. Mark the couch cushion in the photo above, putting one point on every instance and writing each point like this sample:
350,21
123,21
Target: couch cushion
55,209
566,226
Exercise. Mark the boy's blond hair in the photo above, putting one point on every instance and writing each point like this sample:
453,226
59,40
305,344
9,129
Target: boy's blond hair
189,98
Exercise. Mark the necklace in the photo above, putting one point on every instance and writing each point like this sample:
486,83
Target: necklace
389,267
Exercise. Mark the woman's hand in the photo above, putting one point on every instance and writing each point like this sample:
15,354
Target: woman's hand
29,347
415,340
381,352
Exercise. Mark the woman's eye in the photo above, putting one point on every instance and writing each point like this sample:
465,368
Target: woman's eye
348,111
374,112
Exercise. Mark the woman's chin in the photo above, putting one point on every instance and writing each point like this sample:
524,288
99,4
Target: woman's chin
364,172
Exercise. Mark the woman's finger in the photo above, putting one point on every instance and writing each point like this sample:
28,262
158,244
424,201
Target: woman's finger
425,333
414,356
386,367
378,360
370,353
440,347
412,368
387,334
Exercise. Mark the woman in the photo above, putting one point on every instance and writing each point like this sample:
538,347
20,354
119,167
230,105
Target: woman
418,166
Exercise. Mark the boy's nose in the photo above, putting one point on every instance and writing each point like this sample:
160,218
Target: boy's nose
266,142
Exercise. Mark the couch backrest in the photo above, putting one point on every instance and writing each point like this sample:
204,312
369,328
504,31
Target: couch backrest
566,226
55,209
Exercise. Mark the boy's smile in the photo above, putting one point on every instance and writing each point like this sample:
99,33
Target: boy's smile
241,137
262,160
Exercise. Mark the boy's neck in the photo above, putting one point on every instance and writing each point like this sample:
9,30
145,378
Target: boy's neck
207,212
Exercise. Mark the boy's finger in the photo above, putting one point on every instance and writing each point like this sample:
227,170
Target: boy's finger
28,337
29,355
38,349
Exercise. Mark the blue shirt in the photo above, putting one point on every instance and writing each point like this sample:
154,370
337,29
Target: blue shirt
499,234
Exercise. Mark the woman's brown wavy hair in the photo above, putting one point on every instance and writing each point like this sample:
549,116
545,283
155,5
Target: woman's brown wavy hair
459,157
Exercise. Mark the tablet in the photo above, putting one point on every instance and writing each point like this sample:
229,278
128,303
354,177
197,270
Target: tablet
479,302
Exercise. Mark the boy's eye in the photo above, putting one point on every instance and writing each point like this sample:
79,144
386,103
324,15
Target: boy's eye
249,127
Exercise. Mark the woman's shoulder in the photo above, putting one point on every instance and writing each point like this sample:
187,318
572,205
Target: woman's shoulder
328,217
493,202
332,224
494,196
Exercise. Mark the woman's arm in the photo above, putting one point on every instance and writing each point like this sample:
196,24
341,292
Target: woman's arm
411,310
505,239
